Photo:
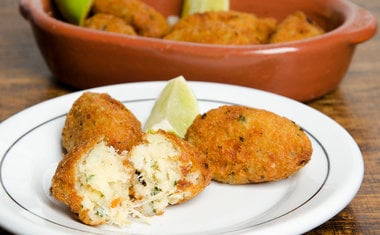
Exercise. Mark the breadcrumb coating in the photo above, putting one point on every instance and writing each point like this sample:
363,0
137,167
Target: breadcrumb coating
296,26
97,114
247,145
109,23
223,27
143,18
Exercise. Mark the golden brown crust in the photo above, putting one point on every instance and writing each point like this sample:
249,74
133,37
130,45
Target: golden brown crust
93,115
223,27
247,145
109,23
295,27
143,18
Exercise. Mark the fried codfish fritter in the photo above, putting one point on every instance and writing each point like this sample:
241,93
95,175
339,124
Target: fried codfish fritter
295,27
109,23
93,115
143,18
247,145
103,186
223,27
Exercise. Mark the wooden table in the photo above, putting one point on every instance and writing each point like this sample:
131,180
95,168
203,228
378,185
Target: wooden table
25,80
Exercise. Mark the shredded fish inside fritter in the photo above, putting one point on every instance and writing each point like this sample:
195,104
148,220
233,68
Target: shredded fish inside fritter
103,186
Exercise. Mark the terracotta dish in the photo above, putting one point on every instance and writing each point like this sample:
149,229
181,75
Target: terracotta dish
302,70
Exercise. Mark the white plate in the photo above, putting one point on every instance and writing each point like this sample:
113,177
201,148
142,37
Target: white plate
30,150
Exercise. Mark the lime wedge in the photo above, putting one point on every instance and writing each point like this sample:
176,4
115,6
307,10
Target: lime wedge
74,11
198,6
175,108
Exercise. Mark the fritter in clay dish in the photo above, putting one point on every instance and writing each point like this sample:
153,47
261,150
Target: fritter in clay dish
109,23
247,145
145,20
223,27
296,26
102,186
93,115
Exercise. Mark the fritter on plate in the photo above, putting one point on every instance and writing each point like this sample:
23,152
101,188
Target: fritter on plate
93,115
296,26
143,18
247,145
103,186
223,27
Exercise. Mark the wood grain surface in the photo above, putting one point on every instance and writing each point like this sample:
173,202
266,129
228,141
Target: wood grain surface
25,80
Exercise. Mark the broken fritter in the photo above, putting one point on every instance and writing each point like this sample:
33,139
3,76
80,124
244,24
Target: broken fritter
102,186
